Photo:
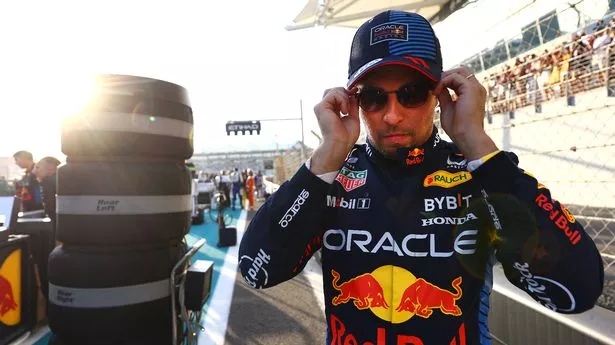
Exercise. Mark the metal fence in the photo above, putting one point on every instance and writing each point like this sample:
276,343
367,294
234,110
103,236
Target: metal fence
558,118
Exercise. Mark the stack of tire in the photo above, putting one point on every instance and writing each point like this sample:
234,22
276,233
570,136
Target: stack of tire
123,208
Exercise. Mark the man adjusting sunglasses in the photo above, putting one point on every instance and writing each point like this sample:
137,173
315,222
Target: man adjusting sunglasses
409,224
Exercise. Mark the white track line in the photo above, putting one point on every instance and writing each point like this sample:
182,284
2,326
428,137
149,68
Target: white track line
30,338
216,319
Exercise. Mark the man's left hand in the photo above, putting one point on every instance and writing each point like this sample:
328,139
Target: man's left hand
462,119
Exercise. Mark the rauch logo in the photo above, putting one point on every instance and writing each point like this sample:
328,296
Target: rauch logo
446,179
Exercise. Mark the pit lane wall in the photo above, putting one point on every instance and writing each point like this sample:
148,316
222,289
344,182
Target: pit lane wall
516,319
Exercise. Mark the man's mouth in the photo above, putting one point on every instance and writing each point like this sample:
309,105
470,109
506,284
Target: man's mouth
396,138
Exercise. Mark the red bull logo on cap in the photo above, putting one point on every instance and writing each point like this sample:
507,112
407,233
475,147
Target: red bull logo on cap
10,289
416,156
397,302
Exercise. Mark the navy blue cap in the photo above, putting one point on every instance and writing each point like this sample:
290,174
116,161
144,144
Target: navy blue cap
395,38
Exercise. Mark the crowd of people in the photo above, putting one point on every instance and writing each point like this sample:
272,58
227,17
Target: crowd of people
240,187
569,68
37,188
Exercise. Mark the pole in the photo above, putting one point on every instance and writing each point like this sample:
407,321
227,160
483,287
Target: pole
302,143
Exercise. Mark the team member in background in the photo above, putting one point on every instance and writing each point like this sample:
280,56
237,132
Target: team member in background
410,225
27,189
45,171
250,185
236,186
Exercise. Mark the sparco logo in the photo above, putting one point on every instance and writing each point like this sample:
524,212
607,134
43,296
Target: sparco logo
415,245
257,273
294,209
348,203
448,220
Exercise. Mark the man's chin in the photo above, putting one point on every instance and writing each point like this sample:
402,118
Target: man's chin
390,150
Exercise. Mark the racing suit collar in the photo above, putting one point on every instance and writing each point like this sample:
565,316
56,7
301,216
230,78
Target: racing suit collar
407,157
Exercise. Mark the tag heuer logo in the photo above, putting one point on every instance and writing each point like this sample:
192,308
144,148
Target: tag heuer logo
351,179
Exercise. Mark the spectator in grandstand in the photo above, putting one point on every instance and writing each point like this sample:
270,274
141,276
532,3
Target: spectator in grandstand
580,64
45,171
563,60
546,67
599,58
534,69
27,189
599,25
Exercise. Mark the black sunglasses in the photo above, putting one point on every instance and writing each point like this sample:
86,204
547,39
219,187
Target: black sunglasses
411,95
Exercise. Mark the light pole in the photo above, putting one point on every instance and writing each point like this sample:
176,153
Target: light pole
295,119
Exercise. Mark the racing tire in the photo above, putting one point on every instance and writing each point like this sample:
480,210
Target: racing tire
99,297
123,204
132,116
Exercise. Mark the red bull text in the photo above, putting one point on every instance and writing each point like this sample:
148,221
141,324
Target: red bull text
341,336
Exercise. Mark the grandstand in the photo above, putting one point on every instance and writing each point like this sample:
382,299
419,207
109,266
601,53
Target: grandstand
279,164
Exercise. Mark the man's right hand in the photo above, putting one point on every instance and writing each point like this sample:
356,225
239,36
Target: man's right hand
338,119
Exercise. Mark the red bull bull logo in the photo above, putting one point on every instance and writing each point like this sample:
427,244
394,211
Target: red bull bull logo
7,299
416,156
422,297
364,290
10,289
397,302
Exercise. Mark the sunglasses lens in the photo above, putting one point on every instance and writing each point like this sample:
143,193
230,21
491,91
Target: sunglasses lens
411,96
372,99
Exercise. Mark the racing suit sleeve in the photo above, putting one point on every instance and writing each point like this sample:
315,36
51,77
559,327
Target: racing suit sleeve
285,232
542,248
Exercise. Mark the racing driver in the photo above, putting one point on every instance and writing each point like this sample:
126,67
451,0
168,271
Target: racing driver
411,225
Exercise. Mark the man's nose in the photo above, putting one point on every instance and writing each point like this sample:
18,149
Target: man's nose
393,112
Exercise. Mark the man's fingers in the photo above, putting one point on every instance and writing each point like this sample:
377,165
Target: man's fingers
445,99
458,83
337,100
463,70
353,106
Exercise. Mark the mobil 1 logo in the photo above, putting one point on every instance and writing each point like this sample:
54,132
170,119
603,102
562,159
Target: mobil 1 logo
348,203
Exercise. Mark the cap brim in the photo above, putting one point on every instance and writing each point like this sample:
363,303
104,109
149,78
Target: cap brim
432,71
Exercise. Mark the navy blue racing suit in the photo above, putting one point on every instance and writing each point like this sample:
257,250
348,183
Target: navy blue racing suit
408,245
